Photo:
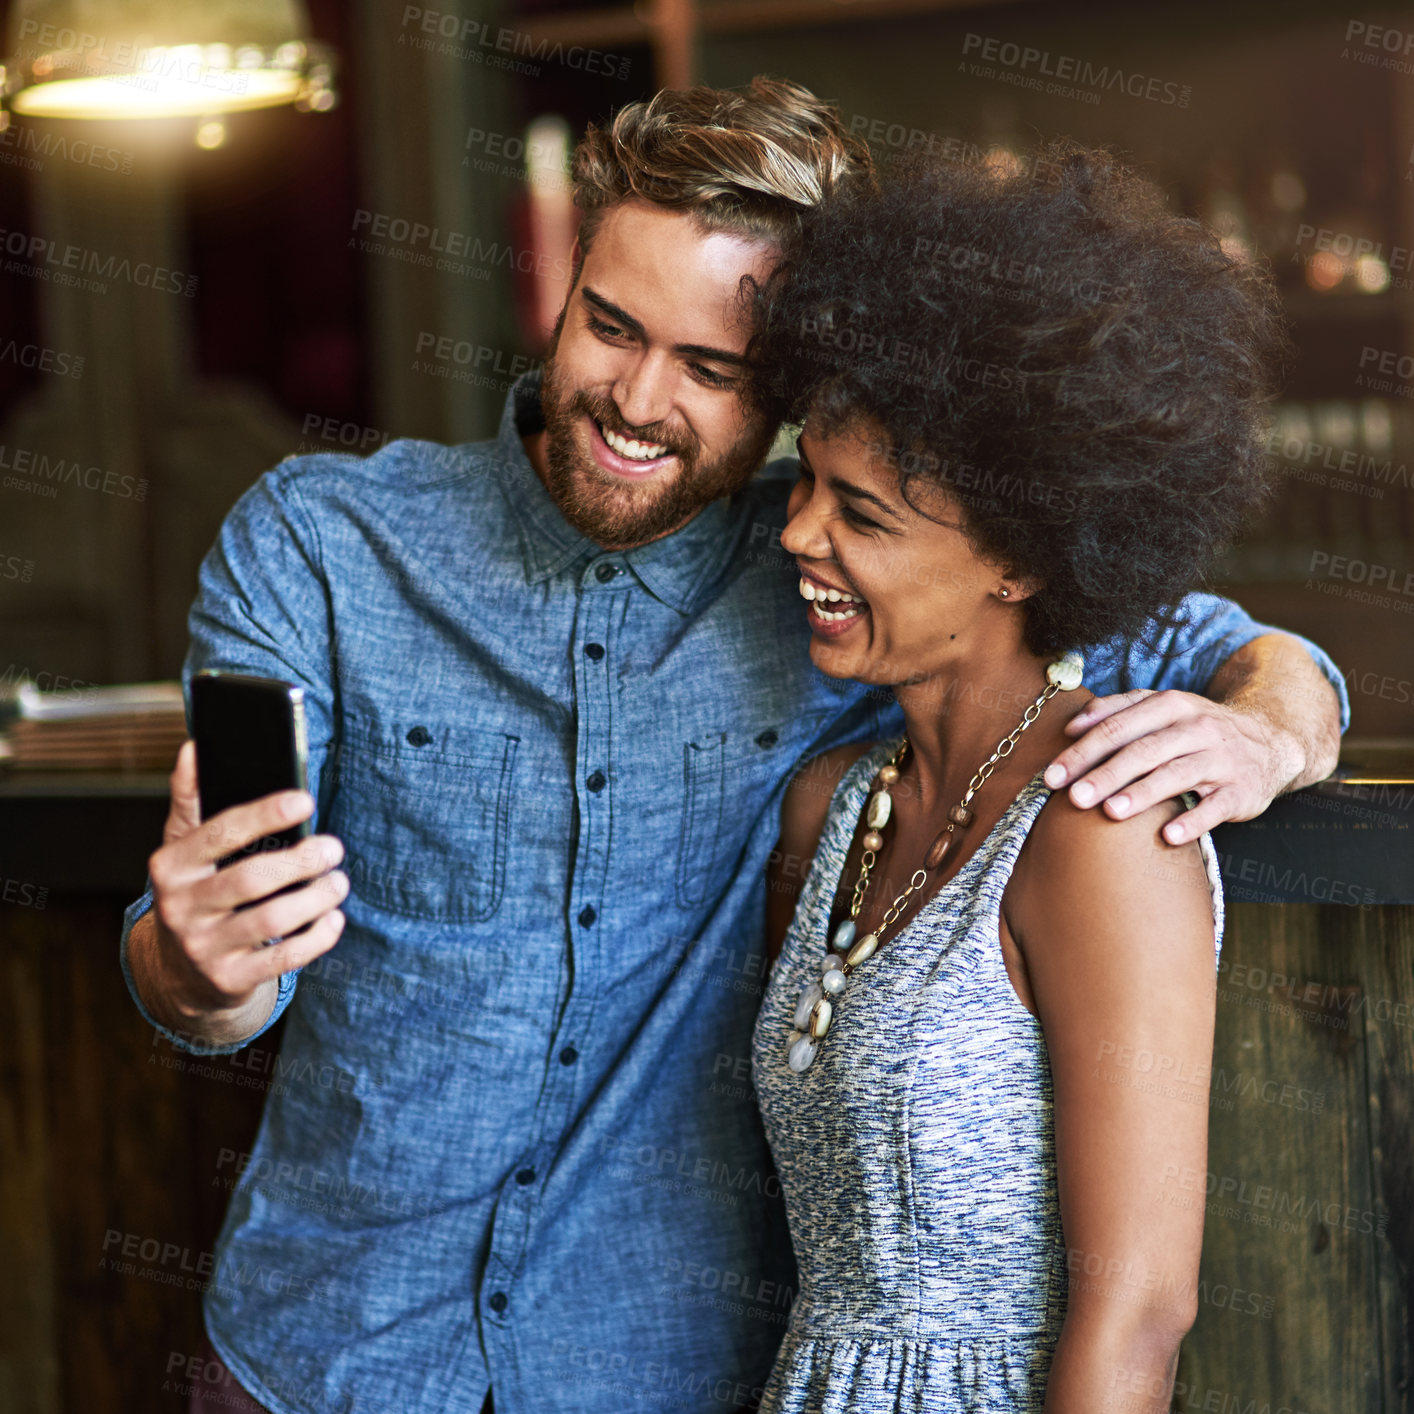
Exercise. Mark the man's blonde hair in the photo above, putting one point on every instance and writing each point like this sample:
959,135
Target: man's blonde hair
751,161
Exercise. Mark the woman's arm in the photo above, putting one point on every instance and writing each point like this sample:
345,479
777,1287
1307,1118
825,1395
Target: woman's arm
1116,930
803,813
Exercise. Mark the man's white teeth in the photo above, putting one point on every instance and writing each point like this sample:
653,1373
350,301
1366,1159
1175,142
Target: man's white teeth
627,447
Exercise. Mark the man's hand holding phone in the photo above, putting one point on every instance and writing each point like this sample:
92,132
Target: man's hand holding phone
199,956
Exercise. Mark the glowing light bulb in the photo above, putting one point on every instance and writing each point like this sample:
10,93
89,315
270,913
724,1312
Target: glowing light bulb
1371,274
1324,271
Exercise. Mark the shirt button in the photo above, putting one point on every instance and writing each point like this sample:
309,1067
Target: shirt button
767,738
587,916
594,650
568,1056
419,736
499,1301
525,1176
605,573
597,782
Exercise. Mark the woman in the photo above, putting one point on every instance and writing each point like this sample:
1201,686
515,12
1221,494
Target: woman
1031,416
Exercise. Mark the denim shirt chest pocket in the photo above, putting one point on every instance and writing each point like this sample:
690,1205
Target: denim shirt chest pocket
423,810
728,777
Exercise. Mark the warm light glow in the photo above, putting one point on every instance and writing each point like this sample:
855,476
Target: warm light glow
177,92
551,219
1236,247
211,133
1334,423
1288,191
1002,162
1324,270
1376,426
1371,274
1226,218
172,81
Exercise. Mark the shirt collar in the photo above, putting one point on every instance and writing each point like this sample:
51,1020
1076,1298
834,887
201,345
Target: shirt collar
675,569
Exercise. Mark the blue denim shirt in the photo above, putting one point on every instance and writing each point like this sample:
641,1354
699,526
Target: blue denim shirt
557,771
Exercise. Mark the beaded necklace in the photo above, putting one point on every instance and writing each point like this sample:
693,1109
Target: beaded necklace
816,1008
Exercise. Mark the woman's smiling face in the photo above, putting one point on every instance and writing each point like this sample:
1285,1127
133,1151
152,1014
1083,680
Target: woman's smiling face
912,593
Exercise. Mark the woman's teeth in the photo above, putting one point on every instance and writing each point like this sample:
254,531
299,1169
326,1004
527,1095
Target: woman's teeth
628,448
817,594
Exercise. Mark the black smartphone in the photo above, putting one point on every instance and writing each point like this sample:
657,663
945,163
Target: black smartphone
250,741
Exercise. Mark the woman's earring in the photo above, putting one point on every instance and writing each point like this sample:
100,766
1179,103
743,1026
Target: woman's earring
1004,592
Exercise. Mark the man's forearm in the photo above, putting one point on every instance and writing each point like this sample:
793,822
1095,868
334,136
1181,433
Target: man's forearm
156,989
1276,680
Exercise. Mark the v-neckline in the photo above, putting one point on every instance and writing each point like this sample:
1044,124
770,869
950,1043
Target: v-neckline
857,797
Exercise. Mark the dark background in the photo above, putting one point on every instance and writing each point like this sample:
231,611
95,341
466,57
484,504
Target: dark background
297,339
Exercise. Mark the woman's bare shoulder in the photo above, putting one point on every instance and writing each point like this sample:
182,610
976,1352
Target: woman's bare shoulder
1080,868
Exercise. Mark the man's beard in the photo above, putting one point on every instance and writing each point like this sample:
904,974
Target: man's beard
617,513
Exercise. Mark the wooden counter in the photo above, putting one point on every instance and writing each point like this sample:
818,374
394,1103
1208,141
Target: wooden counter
110,1136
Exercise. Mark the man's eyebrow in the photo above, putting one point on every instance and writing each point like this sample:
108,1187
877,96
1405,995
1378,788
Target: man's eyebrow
848,487
622,316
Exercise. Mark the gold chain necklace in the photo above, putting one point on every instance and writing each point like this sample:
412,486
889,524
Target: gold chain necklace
816,1008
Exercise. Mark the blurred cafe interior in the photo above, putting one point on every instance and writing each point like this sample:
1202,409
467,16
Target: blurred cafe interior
352,227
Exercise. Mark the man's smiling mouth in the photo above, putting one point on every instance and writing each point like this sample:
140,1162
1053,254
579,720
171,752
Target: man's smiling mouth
631,449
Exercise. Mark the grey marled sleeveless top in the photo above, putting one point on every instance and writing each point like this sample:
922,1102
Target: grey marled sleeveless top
916,1154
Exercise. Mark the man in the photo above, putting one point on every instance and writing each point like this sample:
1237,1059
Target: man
556,683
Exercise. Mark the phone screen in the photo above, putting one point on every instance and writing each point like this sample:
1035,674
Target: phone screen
250,742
